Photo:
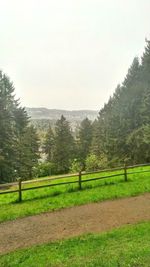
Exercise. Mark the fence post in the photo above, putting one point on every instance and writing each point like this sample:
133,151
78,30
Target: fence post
20,192
125,173
80,180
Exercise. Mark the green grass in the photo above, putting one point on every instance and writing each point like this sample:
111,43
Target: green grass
125,247
52,198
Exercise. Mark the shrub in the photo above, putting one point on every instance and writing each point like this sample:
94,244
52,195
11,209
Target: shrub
44,169
93,162
75,166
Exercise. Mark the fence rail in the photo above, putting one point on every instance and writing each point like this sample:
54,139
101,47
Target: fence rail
79,180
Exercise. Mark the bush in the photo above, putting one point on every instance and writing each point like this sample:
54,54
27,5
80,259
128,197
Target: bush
44,169
94,163
75,166
91,163
103,162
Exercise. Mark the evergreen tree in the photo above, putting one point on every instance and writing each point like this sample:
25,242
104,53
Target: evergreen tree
97,146
126,117
16,151
145,106
49,144
64,146
27,153
139,145
85,139
145,67
7,128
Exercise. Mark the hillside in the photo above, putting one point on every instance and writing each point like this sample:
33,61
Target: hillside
54,114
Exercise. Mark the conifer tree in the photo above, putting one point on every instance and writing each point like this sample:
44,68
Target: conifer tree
124,121
49,144
27,153
85,139
7,128
17,139
64,145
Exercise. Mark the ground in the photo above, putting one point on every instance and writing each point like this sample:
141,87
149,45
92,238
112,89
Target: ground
70,222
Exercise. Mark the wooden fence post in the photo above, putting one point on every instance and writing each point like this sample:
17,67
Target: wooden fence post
20,192
80,180
125,173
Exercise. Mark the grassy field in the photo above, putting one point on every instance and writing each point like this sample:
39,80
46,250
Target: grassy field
52,198
125,247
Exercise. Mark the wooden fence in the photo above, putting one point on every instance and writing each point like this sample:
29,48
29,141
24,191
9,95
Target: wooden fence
125,173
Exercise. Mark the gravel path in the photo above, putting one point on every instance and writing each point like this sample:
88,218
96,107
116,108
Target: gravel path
65,223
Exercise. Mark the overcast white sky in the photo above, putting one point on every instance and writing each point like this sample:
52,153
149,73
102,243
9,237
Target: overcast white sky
70,54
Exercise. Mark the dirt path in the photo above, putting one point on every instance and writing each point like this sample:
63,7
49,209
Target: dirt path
90,218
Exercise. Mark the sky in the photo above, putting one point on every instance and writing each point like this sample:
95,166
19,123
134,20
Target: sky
70,54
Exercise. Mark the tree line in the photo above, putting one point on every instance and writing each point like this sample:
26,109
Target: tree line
18,140
121,133
122,130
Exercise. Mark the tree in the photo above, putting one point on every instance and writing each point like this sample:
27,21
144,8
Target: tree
8,105
97,145
64,146
18,142
85,139
49,144
91,163
121,126
94,162
139,145
27,153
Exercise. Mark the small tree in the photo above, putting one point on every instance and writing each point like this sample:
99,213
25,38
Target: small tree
44,169
75,166
49,144
27,153
94,162
85,139
91,163
64,145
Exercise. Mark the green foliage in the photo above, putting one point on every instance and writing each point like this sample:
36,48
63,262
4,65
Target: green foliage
122,129
85,139
103,162
49,144
18,141
75,166
91,163
94,162
127,246
64,146
27,153
44,169
139,144
97,147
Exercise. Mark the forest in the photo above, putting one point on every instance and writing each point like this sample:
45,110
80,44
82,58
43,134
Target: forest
120,134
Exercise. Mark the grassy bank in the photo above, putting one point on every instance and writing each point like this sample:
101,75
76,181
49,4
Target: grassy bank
49,199
127,246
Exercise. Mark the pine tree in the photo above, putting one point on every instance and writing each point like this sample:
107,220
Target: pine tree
85,139
49,144
146,64
7,128
126,116
139,145
64,146
27,153
18,142
97,145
